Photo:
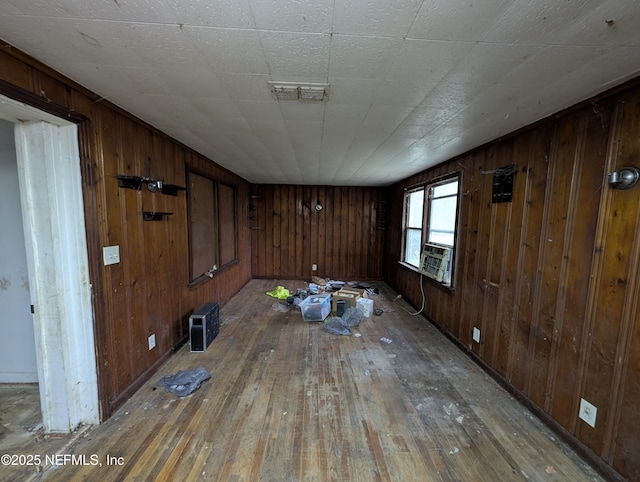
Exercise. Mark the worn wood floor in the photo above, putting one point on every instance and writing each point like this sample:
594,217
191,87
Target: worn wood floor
289,401
22,433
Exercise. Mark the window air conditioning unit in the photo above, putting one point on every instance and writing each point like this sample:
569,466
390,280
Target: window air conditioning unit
204,326
435,262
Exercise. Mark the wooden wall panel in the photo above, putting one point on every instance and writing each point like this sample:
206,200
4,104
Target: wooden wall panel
147,292
551,278
343,239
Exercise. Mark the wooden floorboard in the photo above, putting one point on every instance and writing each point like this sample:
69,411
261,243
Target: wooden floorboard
289,401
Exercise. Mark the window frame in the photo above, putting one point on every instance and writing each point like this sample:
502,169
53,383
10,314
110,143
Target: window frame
203,261
405,228
428,204
428,187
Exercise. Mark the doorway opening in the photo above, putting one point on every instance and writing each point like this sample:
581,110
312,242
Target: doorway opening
57,279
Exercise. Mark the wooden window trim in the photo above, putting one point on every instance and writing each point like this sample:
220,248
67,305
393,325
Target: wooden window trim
221,250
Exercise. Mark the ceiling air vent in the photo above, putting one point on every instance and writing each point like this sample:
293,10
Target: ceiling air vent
299,91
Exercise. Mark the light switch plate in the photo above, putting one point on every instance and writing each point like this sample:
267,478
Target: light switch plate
111,255
476,335
588,412
152,341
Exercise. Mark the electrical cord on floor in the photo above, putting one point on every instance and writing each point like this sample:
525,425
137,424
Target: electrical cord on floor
423,300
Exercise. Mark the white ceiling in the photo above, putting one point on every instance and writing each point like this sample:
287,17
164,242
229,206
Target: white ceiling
412,82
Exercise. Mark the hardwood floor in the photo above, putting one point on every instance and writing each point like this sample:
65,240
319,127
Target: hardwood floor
22,434
289,401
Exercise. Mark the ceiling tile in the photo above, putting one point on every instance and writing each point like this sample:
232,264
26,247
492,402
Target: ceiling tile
459,20
195,82
296,55
221,13
405,93
162,46
246,86
375,17
7,9
229,50
299,16
266,112
353,91
539,21
222,112
362,57
76,41
427,61
309,113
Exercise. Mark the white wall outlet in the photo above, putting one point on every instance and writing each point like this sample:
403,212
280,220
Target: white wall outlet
152,341
111,255
476,335
588,412
314,267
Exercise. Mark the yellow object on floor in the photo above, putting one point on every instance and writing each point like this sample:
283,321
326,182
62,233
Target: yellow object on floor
280,293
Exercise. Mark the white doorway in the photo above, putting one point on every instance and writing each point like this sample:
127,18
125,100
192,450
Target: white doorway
50,187
17,344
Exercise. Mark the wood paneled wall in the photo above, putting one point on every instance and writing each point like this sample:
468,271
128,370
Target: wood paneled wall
344,239
550,279
148,291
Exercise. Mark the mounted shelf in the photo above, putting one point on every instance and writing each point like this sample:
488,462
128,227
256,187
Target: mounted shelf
136,182
129,182
172,189
154,216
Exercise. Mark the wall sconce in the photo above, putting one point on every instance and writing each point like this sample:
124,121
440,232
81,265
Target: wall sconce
624,178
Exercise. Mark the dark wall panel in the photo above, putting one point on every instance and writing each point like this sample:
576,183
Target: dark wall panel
148,291
551,278
344,239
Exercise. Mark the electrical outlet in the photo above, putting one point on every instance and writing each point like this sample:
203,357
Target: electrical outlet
476,335
152,341
314,267
111,255
588,412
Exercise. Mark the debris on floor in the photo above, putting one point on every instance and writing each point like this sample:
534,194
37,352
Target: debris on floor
337,326
282,307
353,317
280,293
184,382
349,302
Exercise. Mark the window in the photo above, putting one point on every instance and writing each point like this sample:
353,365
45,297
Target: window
430,221
441,208
212,225
414,206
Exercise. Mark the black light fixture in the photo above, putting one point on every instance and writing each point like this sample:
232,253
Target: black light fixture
136,182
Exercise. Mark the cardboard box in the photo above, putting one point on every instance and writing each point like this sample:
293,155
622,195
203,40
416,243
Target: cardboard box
315,307
351,295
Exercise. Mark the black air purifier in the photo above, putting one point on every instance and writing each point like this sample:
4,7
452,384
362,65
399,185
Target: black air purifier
204,326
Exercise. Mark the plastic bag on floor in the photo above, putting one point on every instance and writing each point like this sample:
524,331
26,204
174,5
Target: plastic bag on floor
185,382
281,307
280,293
353,316
337,326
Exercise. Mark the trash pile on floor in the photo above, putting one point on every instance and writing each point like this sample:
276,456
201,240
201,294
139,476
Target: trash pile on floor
348,303
184,382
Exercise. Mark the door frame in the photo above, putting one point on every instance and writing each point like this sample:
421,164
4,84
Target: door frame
49,173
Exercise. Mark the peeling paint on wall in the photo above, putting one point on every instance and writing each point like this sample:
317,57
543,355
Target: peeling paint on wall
4,284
